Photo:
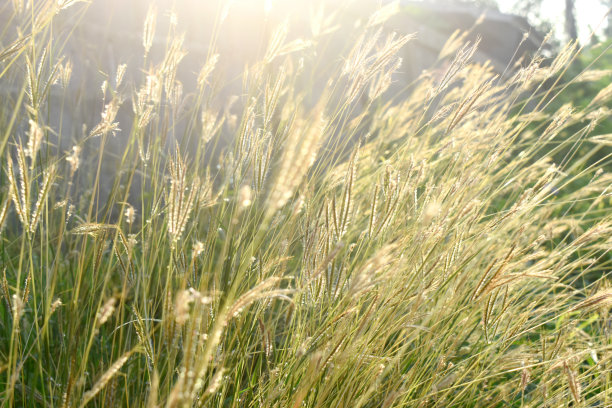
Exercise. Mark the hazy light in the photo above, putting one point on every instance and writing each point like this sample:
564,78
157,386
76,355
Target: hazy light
267,6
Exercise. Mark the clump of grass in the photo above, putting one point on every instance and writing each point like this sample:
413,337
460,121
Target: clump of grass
339,247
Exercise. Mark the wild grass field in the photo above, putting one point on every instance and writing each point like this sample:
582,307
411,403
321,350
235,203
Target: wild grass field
345,245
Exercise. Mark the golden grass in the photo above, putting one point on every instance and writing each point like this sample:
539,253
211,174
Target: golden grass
302,247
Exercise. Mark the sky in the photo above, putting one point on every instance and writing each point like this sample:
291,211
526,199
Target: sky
589,13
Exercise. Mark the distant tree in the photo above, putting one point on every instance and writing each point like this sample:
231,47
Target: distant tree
527,6
570,20
532,11
608,29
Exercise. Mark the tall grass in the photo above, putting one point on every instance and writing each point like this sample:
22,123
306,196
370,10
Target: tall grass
347,246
